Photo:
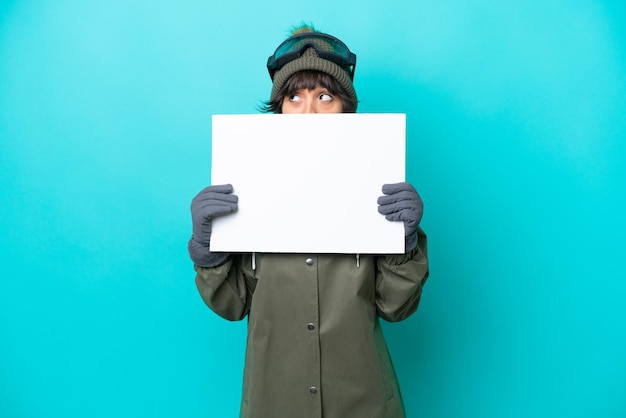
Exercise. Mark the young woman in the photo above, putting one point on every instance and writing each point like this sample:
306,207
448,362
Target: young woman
315,345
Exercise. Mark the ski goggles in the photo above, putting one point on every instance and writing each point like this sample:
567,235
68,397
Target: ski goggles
327,47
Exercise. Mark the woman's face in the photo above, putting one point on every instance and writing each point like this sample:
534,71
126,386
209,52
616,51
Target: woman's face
317,100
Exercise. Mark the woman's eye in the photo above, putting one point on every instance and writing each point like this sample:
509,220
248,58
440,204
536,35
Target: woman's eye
325,97
294,98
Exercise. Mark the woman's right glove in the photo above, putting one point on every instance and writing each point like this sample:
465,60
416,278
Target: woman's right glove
210,202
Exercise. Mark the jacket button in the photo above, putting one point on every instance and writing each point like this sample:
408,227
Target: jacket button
313,390
309,261
310,326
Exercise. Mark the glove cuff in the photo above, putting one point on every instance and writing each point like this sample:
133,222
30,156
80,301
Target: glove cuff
202,256
410,242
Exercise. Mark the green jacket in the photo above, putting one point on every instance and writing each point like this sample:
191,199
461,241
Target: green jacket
315,344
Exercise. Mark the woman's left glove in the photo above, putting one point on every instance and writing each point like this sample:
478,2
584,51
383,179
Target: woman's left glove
401,202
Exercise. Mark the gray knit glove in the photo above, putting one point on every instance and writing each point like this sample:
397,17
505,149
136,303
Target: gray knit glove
401,202
210,202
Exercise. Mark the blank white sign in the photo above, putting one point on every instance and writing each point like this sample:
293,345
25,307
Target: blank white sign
308,183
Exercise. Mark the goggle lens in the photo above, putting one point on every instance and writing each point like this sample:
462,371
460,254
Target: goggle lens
327,47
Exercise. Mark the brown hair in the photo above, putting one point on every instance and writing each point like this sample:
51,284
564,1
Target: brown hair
309,80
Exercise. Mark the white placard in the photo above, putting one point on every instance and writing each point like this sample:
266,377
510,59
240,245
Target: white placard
308,183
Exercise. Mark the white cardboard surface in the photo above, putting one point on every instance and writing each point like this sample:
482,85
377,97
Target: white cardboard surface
308,183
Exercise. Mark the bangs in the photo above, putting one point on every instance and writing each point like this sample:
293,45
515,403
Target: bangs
309,80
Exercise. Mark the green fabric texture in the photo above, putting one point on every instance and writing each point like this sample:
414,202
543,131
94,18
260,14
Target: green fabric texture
315,345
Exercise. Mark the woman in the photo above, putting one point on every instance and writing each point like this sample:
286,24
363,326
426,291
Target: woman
315,346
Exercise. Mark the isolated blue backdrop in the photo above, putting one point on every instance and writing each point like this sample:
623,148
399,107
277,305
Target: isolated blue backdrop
516,131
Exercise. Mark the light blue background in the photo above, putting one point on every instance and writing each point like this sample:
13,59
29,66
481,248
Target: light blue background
516,132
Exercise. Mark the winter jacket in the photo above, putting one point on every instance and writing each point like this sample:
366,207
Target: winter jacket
315,345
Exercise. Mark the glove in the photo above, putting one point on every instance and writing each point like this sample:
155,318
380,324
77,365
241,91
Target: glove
402,203
212,201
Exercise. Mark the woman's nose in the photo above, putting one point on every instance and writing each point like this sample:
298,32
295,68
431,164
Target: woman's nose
310,107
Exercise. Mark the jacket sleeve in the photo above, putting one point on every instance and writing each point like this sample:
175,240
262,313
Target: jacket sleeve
227,288
399,281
